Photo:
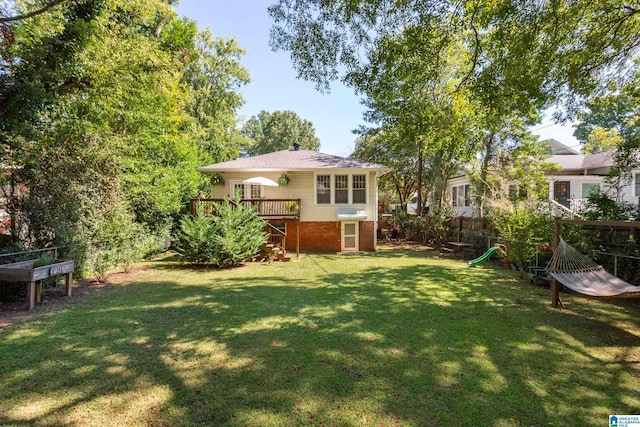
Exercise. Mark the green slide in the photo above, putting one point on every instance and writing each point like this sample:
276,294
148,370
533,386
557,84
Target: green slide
484,257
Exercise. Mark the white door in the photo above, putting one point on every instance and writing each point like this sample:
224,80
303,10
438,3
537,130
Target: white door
247,191
349,236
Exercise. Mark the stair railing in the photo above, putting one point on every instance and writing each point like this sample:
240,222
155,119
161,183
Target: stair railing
277,236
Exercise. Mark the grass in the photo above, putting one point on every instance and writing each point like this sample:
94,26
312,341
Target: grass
395,338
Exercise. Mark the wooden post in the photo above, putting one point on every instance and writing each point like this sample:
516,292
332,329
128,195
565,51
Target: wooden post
298,239
38,291
67,283
31,295
555,293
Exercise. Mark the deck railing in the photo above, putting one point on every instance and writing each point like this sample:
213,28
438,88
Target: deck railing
266,208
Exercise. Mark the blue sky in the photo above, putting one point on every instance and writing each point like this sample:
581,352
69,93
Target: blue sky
274,85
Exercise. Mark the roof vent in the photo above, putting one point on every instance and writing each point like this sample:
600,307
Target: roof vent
296,146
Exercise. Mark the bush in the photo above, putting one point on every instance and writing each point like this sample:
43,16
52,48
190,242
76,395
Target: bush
522,226
232,236
45,259
600,206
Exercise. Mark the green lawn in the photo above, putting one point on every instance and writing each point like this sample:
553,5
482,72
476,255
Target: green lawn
388,339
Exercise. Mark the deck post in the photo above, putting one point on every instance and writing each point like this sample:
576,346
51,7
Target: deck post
298,239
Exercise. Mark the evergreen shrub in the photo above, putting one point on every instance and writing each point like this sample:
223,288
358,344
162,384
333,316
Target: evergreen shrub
227,239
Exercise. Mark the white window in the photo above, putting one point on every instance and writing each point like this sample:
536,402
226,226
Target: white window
461,195
359,189
255,190
341,189
323,189
237,188
588,188
636,184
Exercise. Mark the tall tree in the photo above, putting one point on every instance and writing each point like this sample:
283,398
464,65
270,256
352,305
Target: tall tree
385,149
601,139
610,120
214,75
513,59
611,111
269,132
98,121
541,50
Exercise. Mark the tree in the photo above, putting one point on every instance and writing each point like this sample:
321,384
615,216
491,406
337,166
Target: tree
540,51
269,132
601,139
26,15
384,148
610,121
214,75
609,113
100,101
444,77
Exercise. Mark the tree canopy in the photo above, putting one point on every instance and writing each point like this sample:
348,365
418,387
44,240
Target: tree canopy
454,77
108,107
540,50
268,132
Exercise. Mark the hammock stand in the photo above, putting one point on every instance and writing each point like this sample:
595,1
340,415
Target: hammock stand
583,275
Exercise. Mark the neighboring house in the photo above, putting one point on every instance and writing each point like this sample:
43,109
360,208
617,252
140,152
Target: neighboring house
329,203
569,187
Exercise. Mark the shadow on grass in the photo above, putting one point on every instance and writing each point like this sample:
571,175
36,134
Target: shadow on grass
415,344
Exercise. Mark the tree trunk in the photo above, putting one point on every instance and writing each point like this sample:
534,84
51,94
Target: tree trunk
484,172
419,195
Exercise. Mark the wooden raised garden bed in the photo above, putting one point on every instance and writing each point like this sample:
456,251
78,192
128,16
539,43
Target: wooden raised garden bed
24,271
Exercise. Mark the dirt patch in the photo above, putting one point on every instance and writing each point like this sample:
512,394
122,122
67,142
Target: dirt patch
52,298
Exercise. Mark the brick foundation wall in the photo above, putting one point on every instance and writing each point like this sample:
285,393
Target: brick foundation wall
325,236
367,235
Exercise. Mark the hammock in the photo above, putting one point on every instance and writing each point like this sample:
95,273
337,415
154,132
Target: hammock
583,275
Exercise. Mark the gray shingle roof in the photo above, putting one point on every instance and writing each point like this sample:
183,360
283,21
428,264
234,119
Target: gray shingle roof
292,160
602,159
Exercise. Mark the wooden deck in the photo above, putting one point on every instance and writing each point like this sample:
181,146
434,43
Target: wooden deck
271,209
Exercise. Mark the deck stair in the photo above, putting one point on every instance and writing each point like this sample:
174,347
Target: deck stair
275,252
275,244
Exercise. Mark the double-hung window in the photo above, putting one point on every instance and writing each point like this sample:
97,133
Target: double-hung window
323,189
359,189
636,184
341,189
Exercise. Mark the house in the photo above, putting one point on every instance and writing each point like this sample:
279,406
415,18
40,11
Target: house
319,202
569,187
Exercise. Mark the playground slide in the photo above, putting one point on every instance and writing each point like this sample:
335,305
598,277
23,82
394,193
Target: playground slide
484,257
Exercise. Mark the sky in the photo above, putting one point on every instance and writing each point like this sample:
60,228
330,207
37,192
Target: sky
274,85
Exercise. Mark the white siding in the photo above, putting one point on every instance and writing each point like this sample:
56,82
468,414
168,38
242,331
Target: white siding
575,184
628,193
302,186
466,211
